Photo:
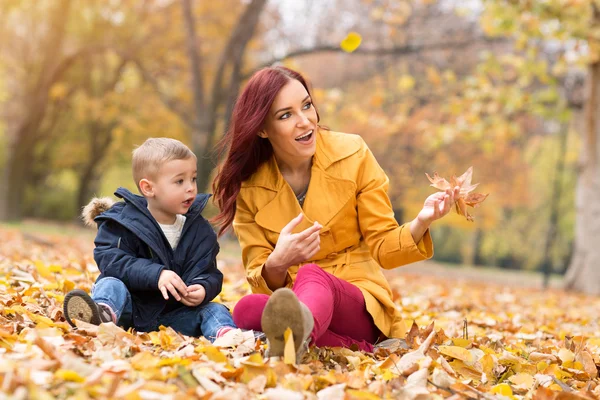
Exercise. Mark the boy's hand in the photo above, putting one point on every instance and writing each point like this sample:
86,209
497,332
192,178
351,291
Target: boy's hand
195,296
169,281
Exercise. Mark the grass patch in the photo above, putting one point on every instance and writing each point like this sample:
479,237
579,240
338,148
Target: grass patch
49,228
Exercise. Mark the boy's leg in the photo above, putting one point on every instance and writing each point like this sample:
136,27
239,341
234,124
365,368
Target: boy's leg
198,321
110,301
216,320
113,293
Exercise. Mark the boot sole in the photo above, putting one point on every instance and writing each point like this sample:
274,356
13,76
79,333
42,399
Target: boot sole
80,306
282,311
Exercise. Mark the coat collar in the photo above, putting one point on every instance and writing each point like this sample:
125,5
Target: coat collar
327,192
134,215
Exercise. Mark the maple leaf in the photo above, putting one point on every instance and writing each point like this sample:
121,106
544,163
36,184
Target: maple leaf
465,197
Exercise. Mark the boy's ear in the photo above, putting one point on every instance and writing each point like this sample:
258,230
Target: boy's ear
146,188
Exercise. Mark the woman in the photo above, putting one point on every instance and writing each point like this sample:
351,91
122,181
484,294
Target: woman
311,212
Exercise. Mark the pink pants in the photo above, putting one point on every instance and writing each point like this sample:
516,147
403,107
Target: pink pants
338,307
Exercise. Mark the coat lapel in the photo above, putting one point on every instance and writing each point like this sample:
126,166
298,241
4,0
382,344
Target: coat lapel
327,193
326,196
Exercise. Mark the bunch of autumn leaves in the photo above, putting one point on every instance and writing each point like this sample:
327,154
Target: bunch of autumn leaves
465,197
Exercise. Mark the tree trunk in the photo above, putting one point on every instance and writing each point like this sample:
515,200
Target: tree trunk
583,274
555,196
100,139
17,172
199,128
21,149
205,118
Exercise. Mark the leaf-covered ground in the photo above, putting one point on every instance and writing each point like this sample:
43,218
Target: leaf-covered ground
487,341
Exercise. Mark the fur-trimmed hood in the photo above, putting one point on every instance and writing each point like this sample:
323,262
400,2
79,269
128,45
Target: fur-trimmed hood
97,206
124,212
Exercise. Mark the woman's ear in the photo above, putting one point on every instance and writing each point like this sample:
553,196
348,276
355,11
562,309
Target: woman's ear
263,134
146,188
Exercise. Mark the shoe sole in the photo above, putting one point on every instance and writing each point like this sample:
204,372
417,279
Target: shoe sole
282,311
80,306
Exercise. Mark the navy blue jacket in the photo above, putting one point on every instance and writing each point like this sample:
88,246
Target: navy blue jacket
131,246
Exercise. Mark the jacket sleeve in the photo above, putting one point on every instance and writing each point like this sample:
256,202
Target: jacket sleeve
255,247
206,273
116,259
390,245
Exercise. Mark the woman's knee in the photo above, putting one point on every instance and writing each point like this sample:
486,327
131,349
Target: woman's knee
310,271
248,311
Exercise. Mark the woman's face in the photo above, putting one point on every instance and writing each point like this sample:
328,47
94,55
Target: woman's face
291,124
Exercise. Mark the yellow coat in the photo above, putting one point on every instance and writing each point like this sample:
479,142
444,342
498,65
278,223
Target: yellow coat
347,194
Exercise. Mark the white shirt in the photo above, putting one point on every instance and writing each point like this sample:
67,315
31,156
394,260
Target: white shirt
173,232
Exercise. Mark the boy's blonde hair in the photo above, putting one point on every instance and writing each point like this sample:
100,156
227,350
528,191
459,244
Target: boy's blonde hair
153,154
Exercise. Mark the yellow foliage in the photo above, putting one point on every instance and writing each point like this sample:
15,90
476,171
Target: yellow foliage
459,353
502,389
289,353
68,375
406,83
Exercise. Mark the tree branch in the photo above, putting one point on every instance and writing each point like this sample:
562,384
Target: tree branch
235,47
170,103
195,62
396,51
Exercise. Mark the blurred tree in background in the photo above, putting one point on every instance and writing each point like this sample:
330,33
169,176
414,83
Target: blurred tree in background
434,86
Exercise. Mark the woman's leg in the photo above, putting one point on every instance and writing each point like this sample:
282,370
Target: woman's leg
248,311
338,308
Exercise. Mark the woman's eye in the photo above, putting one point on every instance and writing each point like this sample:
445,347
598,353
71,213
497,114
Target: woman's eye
285,116
307,105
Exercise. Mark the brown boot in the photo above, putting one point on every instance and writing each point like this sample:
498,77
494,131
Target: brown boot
79,305
284,310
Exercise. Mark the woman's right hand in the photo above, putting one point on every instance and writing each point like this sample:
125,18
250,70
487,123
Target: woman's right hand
294,248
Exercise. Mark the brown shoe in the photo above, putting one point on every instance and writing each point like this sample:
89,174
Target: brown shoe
282,311
79,305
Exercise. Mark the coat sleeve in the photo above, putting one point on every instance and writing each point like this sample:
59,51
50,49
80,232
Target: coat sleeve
206,273
390,245
255,247
116,259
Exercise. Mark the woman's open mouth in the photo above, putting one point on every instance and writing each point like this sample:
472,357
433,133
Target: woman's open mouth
306,137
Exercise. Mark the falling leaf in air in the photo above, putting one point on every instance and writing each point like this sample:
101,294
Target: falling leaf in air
351,42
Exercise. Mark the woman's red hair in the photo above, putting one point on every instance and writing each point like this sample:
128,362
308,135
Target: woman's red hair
246,151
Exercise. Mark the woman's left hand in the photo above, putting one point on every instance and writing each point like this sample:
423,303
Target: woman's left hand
437,205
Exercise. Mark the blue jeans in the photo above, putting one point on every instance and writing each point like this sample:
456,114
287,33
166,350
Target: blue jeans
197,321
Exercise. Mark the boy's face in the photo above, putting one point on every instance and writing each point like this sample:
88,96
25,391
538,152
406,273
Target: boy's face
172,191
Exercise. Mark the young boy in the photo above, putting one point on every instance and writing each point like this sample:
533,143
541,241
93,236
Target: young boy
156,253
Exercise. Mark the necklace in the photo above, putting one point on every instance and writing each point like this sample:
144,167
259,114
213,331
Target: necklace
302,196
